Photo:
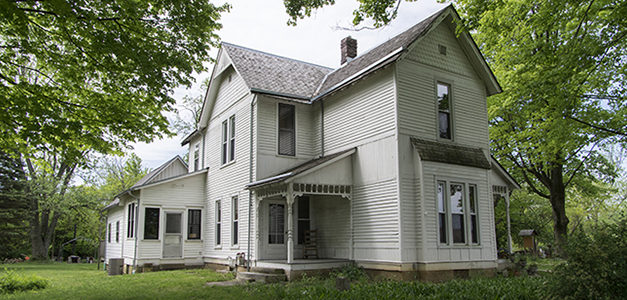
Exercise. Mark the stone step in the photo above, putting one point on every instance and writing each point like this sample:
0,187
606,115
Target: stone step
261,277
267,270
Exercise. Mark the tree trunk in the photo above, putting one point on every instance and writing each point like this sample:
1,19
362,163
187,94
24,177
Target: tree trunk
558,205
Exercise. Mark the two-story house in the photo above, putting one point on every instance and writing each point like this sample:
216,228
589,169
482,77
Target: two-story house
383,162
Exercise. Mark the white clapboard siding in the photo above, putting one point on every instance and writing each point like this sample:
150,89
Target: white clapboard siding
271,162
431,249
331,216
171,196
226,181
360,113
229,92
409,201
176,168
113,248
417,76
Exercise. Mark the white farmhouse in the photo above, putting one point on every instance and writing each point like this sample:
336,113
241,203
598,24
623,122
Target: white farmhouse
383,162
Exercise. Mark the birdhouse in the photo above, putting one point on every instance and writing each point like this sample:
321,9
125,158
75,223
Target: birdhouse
529,239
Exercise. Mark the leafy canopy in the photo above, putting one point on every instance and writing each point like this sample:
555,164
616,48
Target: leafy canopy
88,74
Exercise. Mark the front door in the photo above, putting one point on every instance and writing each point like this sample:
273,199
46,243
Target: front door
275,237
172,244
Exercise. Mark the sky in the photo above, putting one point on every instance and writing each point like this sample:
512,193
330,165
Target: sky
262,25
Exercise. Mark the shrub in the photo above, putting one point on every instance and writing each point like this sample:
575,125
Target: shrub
11,282
596,267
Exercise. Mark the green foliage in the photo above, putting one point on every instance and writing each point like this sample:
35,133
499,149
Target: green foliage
12,282
13,208
89,74
352,272
596,267
478,288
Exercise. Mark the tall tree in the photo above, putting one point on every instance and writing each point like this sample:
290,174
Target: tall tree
561,64
13,208
78,77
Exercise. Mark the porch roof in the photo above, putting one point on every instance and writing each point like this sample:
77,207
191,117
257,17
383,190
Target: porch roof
301,169
452,154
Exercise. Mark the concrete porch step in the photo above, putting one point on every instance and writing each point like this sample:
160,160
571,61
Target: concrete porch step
261,277
267,270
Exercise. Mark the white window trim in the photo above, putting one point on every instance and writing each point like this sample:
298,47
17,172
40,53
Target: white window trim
131,227
143,222
226,137
451,87
187,224
295,130
449,220
218,221
233,210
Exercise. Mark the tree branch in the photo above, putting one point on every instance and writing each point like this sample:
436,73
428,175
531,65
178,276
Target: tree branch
608,130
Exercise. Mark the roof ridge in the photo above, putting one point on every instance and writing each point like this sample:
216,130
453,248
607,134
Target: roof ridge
430,18
276,55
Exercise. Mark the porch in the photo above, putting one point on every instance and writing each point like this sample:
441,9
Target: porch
314,198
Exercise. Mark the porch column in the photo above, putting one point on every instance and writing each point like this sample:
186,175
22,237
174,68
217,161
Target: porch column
290,224
257,228
509,229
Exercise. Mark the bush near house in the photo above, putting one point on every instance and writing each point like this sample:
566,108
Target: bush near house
596,267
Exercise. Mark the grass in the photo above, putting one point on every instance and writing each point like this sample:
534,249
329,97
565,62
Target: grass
83,281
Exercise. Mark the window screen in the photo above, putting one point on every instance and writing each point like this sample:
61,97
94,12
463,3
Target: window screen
151,224
193,224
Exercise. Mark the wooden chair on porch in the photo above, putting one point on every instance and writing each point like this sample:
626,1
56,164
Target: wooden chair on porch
310,249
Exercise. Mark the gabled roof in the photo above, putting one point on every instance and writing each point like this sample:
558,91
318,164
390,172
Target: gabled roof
451,154
154,173
301,169
264,72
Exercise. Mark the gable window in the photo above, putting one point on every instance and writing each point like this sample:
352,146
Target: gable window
287,129
193,224
457,213
235,220
228,140
303,218
196,158
130,224
218,223
117,231
109,234
444,110
151,223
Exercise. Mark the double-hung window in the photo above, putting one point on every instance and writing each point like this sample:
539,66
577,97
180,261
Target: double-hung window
218,223
444,111
457,213
235,221
109,234
117,231
193,224
196,157
130,224
287,129
228,140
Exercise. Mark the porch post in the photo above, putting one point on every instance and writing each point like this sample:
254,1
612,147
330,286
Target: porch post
290,224
509,229
257,227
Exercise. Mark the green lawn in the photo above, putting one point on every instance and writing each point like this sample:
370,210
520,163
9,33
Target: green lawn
81,281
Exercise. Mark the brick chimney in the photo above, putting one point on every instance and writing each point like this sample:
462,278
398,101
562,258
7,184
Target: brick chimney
349,49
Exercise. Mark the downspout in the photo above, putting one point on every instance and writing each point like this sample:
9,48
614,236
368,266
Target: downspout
321,128
136,229
250,178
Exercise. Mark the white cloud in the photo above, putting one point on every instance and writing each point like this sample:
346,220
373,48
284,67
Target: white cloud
262,25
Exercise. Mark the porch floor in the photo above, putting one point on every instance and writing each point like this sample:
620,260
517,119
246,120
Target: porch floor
303,264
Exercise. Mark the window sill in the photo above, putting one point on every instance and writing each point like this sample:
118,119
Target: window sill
228,164
235,247
150,240
459,246
217,248
286,156
194,240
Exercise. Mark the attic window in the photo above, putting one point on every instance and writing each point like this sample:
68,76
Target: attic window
442,49
230,77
